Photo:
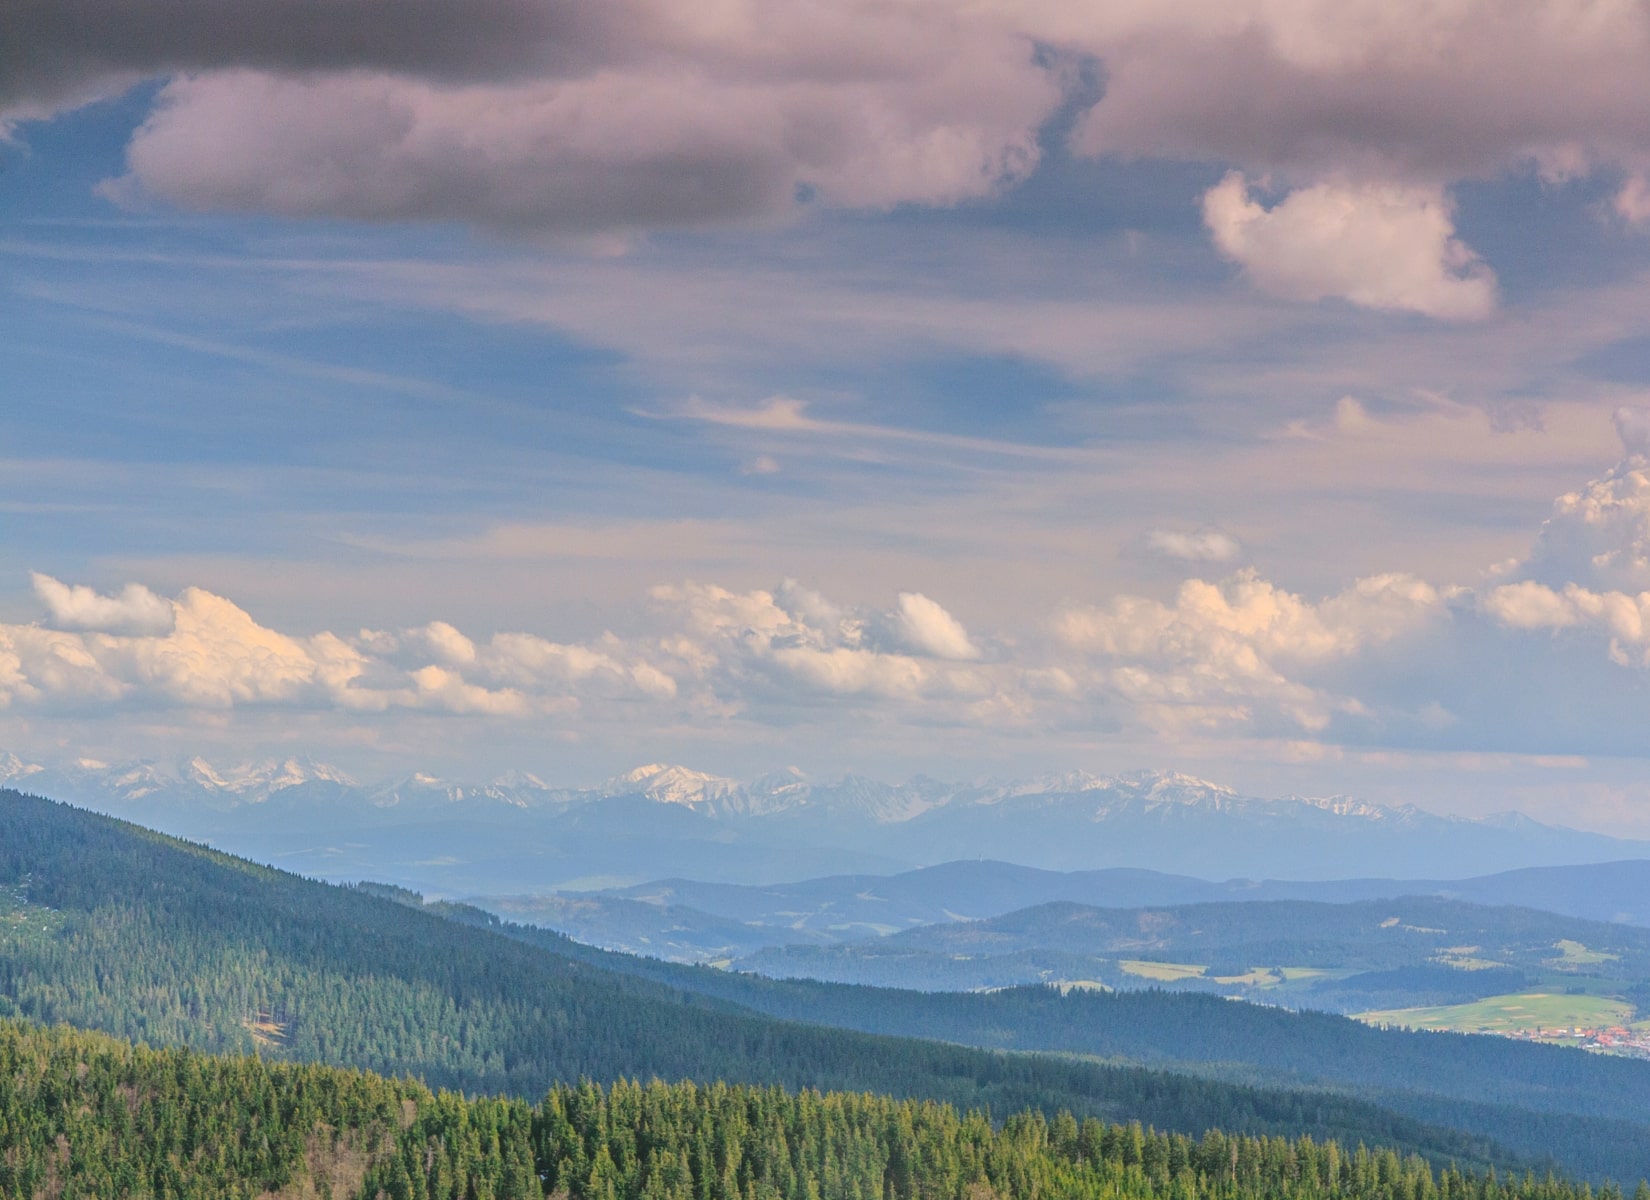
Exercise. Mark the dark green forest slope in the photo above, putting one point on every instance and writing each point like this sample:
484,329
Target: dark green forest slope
82,1115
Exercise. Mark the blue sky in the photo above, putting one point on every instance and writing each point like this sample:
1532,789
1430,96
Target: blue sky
967,390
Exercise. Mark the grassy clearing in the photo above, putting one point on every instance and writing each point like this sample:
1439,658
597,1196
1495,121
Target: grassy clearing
21,921
1466,962
1254,977
1528,1012
1163,972
1574,954
1295,974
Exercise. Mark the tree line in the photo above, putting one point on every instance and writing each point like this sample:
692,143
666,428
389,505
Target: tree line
83,1115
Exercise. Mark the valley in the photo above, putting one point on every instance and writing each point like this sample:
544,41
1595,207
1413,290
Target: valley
1421,960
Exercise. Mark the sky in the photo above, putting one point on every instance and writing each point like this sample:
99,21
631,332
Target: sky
1259,389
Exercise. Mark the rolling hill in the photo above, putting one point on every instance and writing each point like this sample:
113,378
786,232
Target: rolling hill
695,921
1414,950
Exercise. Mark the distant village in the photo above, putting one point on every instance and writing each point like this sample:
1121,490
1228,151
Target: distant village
1613,1039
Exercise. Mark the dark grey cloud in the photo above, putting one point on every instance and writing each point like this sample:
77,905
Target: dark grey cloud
63,51
542,116
1423,92
660,113
700,118
565,158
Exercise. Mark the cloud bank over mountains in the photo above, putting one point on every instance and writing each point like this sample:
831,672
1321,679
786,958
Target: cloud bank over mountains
1543,656
546,117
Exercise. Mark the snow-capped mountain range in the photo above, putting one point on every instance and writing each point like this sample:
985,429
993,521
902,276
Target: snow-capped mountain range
659,820
198,782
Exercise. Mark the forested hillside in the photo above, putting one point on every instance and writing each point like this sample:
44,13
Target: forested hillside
82,1115
1539,1099
1178,1028
115,928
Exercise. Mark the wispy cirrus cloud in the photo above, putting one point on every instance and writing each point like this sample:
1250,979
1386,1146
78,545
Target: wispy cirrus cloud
1193,546
786,415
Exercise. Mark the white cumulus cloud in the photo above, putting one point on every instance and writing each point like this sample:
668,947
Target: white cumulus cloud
1377,245
793,643
1633,427
134,609
712,653
928,629
1598,536
1242,652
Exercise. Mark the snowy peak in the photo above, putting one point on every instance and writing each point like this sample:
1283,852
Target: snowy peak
787,781
715,795
777,791
193,783
423,791
673,785
138,781
882,803
14,769
1064,783
1346,806
1172,789
1101,798
256,782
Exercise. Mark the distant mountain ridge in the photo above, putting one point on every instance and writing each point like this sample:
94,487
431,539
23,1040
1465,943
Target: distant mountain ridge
690,921
855,906
1400,952
786,791
518,833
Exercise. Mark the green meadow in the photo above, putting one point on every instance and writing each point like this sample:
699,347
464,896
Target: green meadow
1528,1012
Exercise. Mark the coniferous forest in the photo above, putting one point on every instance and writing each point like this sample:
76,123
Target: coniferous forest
83,1115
